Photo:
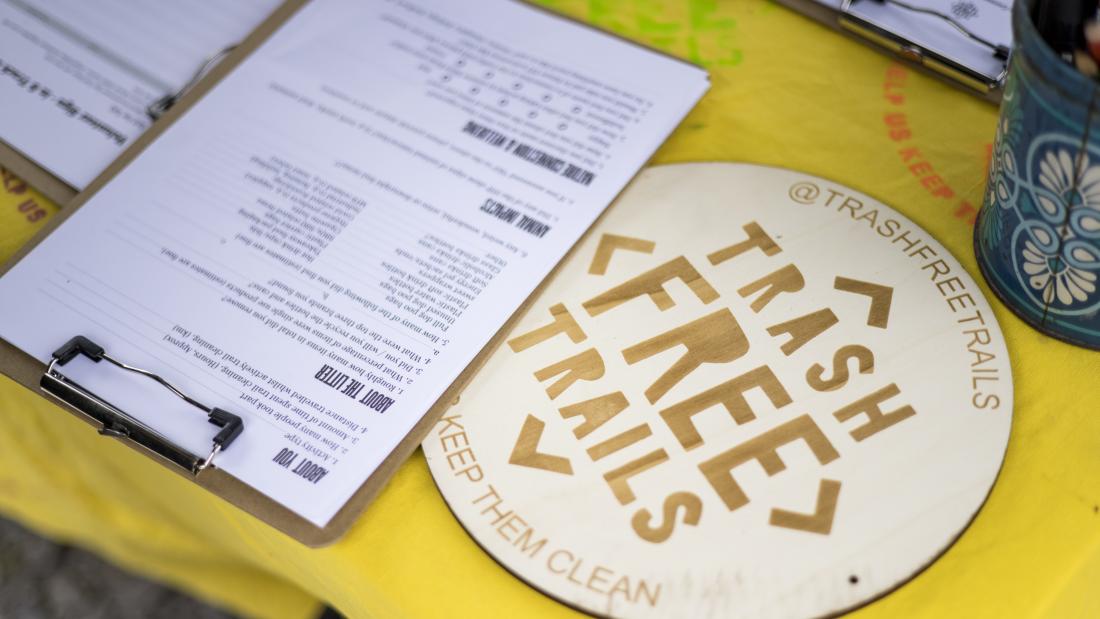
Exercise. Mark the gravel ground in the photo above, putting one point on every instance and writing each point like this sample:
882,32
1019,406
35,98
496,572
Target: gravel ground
42,580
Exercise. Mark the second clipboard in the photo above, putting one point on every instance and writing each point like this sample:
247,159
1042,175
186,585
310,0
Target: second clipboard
965,44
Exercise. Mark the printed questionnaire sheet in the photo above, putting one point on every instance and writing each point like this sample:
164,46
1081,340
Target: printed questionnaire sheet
331,235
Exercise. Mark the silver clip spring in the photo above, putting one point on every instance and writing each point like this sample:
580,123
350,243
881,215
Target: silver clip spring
157,108
999,51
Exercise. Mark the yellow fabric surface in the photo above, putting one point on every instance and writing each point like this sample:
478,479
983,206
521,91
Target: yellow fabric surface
785,92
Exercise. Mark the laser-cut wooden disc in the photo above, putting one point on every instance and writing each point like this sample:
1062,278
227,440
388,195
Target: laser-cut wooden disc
750,392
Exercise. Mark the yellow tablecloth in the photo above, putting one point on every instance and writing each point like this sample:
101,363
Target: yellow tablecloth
786,92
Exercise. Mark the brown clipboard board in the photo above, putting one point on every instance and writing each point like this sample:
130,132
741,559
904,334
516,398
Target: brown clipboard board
28,371
43,181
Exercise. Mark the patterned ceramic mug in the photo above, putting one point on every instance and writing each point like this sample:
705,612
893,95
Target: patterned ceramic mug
1038,235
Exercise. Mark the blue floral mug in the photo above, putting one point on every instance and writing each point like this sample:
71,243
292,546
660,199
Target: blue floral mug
1038,235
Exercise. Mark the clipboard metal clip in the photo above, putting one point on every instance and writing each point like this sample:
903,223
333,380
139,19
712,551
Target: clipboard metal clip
999,51
917,54
117,423
157,108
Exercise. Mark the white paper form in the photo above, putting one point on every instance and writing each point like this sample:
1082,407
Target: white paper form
76,76
989,19
340,226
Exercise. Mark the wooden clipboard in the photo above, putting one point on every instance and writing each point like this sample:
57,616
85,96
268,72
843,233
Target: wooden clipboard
29,371
44,181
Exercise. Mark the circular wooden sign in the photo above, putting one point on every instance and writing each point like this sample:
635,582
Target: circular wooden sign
749,392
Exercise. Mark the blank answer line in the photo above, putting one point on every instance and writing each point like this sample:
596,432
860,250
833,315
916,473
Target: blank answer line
189,220
114,232
215,190
343,265
169,240
107,299
118,292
